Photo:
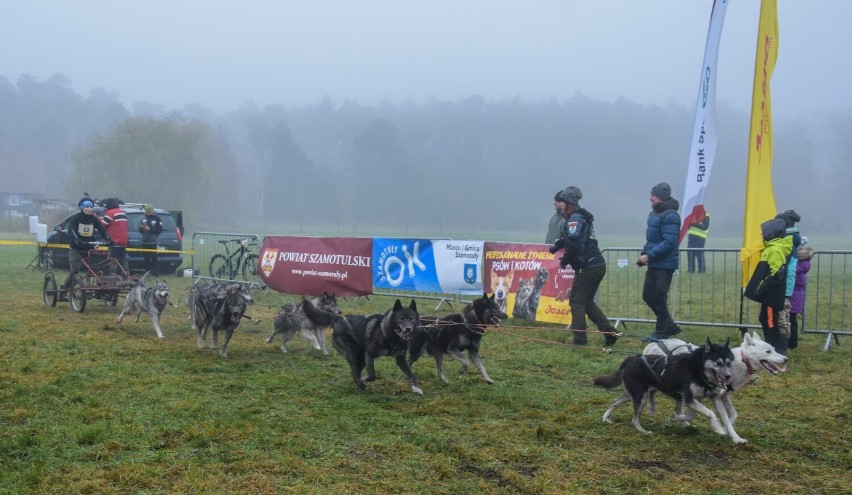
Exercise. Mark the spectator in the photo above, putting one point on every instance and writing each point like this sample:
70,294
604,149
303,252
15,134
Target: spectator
790,218
557,221
769,280
81,234
116,226
582,253
696,239
150,227
662,256
797,301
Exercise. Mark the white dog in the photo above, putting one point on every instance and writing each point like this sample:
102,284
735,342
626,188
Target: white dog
748,359
500,286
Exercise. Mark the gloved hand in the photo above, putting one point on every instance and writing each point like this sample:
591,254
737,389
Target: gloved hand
563,262
559,244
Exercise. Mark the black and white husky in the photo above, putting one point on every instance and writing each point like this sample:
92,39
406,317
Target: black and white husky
685,377
292,319
151,300
455,333
361,341
749,358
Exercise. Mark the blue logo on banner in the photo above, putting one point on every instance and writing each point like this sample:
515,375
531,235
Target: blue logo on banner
405,264
470,273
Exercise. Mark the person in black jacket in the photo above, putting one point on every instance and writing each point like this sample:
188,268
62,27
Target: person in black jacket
582,253
81,234
769,280
151,227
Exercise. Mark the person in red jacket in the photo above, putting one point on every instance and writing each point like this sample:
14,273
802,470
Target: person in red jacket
116,226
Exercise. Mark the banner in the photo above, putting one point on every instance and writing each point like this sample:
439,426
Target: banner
527,283
760,198
423,265
313,265
702,152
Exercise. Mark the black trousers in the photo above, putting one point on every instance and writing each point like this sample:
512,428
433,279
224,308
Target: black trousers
695,258
151,263
582,301
655,293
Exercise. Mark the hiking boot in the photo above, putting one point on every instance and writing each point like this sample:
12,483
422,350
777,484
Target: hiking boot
674,331
610,339
580,338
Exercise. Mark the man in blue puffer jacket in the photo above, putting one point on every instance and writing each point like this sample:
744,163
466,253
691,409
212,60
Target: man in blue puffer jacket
662,256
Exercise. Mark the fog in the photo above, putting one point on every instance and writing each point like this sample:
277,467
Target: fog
481,109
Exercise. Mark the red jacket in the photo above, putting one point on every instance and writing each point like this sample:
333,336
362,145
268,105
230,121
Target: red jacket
116,225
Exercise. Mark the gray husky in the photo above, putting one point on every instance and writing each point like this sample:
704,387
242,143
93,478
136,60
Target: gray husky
377,335
218,307
684,377
292,319
151,300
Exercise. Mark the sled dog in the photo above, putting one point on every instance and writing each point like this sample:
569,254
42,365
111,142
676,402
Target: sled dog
455,333
685,377
377,335
748,359
292,319
151,300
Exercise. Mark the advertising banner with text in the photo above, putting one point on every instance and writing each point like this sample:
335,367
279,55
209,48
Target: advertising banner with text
527,282
313,265
424,265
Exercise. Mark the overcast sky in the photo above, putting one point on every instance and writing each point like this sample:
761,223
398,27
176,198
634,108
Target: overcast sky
223,54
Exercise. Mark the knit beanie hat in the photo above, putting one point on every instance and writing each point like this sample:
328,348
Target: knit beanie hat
558,196
662,190
571,195
87,200
789,216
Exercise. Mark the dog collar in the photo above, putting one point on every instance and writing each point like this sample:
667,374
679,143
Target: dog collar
747,363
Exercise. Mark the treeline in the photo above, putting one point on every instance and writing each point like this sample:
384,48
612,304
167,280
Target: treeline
469,168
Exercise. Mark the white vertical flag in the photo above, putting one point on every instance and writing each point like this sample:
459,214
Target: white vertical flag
704,139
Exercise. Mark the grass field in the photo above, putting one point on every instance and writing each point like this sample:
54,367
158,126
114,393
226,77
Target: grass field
88,406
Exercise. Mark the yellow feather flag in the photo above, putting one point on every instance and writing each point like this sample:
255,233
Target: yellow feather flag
760,198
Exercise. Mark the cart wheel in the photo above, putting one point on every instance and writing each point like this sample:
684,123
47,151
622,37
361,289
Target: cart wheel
77,294
50,292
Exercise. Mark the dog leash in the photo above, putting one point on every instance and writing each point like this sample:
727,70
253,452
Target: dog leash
605,350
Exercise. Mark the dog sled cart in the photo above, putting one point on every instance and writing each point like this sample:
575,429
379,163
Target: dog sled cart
102,278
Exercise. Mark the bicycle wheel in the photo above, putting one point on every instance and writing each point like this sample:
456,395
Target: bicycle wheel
250,267
47,259
50,292
220,267
77,294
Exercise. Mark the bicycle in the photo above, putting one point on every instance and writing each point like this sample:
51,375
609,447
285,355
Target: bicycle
228,265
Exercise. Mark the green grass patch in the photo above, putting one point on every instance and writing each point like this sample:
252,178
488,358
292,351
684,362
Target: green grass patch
89,406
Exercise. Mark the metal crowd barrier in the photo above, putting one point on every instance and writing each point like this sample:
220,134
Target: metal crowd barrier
221,257
713,298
